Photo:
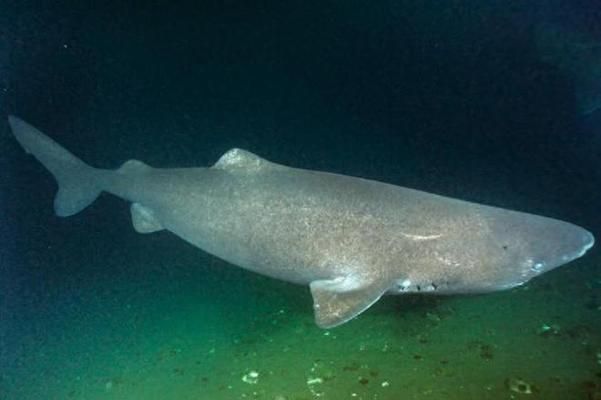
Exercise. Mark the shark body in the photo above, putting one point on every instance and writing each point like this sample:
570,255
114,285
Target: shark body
351,240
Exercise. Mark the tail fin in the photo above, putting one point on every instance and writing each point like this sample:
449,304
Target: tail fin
78,183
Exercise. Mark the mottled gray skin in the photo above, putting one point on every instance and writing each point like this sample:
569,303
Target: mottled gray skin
350,239
301,226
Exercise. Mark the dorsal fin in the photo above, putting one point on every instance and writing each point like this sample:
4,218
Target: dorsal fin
242,160
133,166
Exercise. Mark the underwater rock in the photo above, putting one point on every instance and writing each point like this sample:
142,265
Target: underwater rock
313,383
548,330
251,377
518,385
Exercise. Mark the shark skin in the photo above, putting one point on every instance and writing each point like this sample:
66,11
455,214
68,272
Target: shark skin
350,239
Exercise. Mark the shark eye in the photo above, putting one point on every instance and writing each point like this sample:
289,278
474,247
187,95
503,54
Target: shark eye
505,247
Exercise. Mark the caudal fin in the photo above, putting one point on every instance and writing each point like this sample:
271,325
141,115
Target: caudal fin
78,183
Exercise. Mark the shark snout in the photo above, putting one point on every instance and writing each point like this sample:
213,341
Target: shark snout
555,244
576,242
587,240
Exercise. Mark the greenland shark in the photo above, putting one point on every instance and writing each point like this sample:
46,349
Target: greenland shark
350,239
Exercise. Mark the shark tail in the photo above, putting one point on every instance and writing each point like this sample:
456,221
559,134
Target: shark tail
78,183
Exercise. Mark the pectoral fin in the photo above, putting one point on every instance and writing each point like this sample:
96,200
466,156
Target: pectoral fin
338,300
143,219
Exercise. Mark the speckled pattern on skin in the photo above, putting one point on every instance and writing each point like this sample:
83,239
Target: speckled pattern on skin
351,239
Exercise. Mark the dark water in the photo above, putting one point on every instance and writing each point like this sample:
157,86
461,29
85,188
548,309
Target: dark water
463,99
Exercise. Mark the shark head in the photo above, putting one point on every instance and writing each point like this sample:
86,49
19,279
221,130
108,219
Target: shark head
522,246
495,249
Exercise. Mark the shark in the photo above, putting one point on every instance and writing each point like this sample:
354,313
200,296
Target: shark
351,240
